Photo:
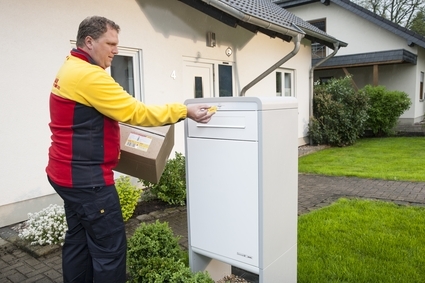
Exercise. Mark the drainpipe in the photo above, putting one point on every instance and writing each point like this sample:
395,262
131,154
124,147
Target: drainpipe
311,80
297,42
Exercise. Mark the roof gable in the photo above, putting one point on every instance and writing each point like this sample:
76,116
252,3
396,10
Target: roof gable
410,36
263,16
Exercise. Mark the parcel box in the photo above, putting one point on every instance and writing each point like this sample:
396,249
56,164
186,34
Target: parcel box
145,151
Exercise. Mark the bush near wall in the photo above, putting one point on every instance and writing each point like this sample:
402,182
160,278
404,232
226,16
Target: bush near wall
171,187
129,196
385,109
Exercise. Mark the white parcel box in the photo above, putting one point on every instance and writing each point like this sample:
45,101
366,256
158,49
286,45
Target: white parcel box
242,182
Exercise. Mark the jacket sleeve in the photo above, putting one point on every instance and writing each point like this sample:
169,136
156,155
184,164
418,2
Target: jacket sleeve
100,91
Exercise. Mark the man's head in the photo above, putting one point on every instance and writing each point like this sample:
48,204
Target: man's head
98,36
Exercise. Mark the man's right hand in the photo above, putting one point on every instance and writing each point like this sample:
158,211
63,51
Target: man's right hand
199,113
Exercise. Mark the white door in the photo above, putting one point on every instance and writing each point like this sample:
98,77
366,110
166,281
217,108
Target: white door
198,80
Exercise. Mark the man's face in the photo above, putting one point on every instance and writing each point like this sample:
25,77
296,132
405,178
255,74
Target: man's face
105,48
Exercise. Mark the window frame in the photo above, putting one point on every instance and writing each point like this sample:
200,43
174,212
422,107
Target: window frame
284,72
136,55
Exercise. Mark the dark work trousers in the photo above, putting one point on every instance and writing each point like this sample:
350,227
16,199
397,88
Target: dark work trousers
95,242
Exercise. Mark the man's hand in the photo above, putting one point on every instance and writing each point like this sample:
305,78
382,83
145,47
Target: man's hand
199,113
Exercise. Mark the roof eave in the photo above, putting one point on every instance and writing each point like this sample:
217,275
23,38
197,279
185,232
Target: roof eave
324,39
292,32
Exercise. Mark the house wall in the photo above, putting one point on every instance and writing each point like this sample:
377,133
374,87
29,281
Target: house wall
363,36
38,37
419,104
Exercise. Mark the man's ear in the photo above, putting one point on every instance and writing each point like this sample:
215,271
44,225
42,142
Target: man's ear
89,42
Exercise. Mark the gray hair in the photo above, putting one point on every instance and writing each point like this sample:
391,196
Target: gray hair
94,27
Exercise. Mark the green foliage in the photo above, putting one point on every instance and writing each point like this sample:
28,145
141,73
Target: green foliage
154,256
171,188
418,23
128,194
164,270
339,113
385,109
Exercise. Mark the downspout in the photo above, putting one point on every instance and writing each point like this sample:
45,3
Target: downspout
297,42
311,79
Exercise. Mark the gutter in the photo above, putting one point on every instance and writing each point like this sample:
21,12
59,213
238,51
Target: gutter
297,42
253,20
311,78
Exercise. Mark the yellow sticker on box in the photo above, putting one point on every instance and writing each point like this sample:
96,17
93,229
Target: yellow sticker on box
138,142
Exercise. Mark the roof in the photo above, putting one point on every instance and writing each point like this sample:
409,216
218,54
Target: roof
410,36
371,58
263,16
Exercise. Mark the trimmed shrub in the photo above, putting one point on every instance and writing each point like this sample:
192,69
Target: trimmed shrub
128,194
154,256
171,187
385,109
339,113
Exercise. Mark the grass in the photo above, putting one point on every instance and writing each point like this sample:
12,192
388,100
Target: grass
399,158
362,241
357,241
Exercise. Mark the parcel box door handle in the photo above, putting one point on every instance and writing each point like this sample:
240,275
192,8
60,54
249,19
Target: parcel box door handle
221,126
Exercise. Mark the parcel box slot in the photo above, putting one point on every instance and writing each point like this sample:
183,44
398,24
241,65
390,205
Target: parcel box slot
221,126
227,125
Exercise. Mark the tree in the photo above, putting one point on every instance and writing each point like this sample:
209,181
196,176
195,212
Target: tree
418,23
401,12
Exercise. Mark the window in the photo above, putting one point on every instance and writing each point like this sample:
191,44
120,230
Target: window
325,80
284,82
225,80
421,87
125,69
199,90
318,50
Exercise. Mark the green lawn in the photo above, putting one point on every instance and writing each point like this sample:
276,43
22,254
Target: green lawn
401,158
362,241
356,241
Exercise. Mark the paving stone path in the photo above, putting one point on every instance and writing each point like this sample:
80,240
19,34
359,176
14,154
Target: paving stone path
314,191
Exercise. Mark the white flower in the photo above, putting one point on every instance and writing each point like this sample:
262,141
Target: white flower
46,227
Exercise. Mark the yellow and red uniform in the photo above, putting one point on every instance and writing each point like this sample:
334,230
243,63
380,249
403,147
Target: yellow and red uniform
86,105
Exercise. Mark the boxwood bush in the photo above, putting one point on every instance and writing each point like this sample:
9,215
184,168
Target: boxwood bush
339,113
385,109
154,256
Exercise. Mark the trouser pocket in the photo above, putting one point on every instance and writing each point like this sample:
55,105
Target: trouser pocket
103,213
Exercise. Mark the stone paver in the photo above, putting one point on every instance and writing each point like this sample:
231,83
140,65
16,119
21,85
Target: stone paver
18,265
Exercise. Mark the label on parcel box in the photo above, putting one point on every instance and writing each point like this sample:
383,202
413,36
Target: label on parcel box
138,142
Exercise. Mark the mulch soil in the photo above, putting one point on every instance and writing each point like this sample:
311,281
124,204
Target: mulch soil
146,207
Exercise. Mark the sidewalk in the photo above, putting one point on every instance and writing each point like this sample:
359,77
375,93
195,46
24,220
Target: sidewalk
314,191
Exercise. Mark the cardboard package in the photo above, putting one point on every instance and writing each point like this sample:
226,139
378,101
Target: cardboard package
145,151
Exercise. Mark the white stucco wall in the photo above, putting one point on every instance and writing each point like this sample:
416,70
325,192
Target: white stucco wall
37,38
